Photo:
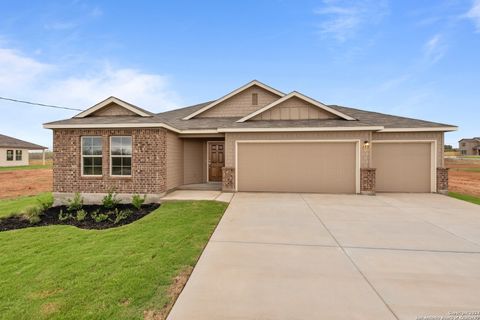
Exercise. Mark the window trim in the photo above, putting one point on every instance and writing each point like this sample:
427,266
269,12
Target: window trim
6,155
121,156
21,155
93,156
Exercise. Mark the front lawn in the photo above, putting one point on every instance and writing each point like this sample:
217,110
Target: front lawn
62,272
30,167
465,197
11,206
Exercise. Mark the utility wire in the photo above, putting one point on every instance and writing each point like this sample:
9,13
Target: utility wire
39,104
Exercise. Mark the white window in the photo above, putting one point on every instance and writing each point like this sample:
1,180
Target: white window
121,156
18,155
91,156
9,155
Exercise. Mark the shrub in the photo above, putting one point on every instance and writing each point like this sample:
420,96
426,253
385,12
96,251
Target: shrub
137,200
98,217
45,204
110,201
33,214
63,216
122,215
81,215
76,203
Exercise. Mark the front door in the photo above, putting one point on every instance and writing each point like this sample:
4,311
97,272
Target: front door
216,160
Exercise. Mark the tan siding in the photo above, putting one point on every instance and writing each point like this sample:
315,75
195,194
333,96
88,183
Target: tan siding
230,139
294,109
112,110
194,165
5,163
403,167
174,160
437,136
241,104
297,167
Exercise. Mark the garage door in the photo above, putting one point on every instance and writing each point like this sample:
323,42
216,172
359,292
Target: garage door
402,167
324,167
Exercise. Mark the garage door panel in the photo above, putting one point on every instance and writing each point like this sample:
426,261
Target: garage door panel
297,167
402,167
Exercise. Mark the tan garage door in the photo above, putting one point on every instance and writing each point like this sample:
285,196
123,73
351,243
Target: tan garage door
402,167
324,167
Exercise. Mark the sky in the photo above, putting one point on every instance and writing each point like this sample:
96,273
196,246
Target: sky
418,59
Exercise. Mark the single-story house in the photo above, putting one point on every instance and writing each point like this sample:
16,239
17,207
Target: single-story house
14,152
255,138
469,147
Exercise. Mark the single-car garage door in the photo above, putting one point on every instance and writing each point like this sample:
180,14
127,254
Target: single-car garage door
402,166
323,167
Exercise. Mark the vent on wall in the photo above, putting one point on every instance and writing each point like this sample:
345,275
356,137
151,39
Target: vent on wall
254,99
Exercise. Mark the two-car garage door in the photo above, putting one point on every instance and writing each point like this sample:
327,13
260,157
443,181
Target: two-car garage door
298,166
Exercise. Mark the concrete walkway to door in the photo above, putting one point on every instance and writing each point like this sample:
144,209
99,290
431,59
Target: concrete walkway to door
305,256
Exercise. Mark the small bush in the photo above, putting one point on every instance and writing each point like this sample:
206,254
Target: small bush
45,204
33,214
76,203
63,216
137,200
122,215
81,215
98,217
110,201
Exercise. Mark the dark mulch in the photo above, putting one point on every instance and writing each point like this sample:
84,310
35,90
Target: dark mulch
50,217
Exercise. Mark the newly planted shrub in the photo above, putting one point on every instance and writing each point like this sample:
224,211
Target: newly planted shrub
63,216
76,203
33,214
81,215
98,217
110,201
122,215
137,200
45,204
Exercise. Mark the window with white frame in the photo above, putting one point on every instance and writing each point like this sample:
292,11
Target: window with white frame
9,155
121,156
92,156
18,155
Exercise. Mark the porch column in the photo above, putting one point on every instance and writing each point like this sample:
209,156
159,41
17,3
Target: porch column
43,156
228,179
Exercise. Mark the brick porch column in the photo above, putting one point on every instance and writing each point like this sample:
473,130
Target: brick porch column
442,180
228,179
367,181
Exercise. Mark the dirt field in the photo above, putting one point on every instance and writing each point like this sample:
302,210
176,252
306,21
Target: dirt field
25,182
460,179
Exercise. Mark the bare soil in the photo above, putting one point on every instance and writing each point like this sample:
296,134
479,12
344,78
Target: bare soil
465,182
25,182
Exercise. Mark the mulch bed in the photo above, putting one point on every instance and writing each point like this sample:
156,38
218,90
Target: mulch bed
50,217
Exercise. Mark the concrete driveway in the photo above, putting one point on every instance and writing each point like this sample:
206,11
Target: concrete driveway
304,256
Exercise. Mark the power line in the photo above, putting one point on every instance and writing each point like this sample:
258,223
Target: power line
39,104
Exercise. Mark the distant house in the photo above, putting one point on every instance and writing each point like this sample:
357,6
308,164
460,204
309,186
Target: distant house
469,147
14,152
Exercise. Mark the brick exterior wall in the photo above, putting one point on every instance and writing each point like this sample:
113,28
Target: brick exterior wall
148,162
442,180
228,179
367,181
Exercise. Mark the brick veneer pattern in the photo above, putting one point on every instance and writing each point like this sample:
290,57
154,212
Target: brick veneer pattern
228,179
148,162
442,180
367,180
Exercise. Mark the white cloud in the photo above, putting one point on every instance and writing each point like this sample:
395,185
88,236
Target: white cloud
474,14
435,48
342,19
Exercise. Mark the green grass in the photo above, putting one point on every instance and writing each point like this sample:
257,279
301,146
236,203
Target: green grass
9,207
466,169
465,197
62,272
31,167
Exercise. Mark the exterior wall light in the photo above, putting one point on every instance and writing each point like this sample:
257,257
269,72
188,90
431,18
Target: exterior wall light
366,144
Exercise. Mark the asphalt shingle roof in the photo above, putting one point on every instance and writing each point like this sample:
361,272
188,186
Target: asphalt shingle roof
10,142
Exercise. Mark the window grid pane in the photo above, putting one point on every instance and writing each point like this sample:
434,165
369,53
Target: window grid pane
92,156
121,156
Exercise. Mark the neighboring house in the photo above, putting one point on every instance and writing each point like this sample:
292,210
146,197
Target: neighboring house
469,147
255,138
14,152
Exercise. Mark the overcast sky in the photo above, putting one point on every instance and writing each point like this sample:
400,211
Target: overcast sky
412,58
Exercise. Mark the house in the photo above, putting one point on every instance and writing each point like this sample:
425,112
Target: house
469,147
14,152
255,138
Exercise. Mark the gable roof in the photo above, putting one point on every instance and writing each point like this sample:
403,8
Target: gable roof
139,111
10,142
302,97
231,94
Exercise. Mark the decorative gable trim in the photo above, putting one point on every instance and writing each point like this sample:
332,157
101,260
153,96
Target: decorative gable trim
300,96
231,94
117,101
